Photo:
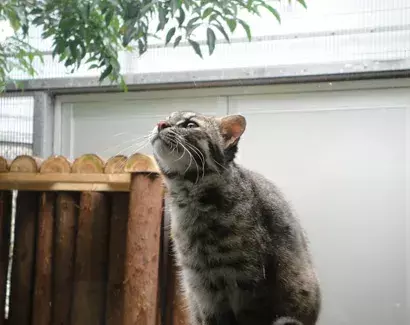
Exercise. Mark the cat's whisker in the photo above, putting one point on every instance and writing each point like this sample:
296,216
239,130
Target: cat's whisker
200,156
220,165
135,147
137,140
196,151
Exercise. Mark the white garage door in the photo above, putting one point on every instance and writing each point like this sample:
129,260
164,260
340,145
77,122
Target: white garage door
342,158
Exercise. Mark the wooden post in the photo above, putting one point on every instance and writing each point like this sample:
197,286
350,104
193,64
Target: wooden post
22,277
54,281
143,246
117,251
42,301
67,206
5,226
90,271
117,246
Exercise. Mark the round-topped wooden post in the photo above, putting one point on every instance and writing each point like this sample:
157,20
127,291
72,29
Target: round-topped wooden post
22,284
117,246
91,260
143,242
54,265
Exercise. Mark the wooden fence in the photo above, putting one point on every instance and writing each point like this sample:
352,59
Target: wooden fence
91,245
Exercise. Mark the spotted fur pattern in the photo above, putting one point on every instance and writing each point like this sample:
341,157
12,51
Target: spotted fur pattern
243,255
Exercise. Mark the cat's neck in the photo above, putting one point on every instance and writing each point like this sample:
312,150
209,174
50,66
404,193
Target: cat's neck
194,180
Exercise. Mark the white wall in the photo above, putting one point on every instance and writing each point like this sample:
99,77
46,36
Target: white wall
340,153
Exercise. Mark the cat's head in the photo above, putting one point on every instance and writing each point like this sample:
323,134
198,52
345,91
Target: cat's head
187,142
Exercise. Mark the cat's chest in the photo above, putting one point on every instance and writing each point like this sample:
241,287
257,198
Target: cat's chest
189,219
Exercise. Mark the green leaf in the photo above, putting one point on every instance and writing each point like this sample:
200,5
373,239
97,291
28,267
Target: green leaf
36,11
272,10
146,8
38,20
191,29
142,48
73,50
123,84
175,4
169,36
181,17
177,41
192,22
128,36
196,47
246,28
105,73
108,17
303,3
231,24
207,12
31,56
162,18
15,22
210,40
223,32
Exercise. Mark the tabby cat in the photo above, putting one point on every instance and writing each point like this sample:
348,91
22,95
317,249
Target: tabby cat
243,256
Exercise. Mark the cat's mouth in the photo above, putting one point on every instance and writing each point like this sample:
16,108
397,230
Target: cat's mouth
166,140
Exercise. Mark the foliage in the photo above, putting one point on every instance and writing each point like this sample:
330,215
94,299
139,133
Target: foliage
95,31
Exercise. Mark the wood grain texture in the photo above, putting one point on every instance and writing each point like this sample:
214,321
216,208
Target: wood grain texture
117,259
42,301
22,277
90,275
142,252
67,208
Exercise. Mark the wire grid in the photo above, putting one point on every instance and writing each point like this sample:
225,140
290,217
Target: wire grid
329,31
16,138
16,126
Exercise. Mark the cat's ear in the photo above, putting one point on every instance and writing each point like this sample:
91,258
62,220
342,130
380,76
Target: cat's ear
232,127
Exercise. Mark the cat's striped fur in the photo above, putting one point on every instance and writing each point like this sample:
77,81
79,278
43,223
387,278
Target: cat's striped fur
244,257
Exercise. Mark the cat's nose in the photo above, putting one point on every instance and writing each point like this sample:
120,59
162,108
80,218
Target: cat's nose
162,125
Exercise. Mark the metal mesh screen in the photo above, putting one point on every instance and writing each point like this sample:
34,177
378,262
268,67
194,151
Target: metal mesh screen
357,36
16,126
16,138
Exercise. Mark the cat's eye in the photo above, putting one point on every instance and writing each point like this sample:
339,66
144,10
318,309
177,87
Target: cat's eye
191,125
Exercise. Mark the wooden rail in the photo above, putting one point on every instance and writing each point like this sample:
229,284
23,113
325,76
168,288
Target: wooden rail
87,173
88,243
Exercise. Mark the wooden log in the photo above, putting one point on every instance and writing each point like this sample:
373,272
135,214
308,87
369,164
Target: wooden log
42,298
88,163
90,271
63,266
117,249
141,163
56,164
4,165
115,165
25,164
22,280
5,227
143,246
